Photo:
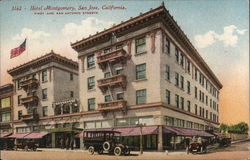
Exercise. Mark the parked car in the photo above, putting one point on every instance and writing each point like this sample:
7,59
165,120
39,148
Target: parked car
108,141
224,142
197,146
26,146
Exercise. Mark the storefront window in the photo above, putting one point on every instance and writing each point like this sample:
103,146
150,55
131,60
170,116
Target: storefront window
122,122
146,120
90,124
170,121
5,102
107,123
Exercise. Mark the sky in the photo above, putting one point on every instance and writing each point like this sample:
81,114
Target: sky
219,30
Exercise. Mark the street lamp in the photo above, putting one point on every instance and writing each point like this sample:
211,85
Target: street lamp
141,141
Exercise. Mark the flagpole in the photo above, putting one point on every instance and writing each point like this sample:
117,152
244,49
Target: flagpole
27,48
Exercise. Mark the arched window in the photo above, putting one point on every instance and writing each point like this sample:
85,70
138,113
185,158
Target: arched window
75,107
58,110
66,108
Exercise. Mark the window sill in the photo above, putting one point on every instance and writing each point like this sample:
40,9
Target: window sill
137,54
168,80
139,80
45,99
91,68
91,90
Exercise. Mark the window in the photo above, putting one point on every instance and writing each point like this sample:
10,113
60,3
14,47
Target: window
45,111
107,98
167,96
120,96
91,61
167,73
107,74
177,101
188,106
206,113
140,45
91,83
188,66
182,103
119,71
19,115
188,87
206,100
189,124
19,100
200,96
210,115
141,96
34,76
203,112
44,93
177,55
180,122
5,102
18,84
5,117
195,91
71,76
91,104
167,46
177,79
182,82
196,109
141,71
195,74
170,121
210,103
107,50
71,94
200,111
44,76
119,46
182,60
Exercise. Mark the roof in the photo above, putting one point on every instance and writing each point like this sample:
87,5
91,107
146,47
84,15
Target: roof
164,16
47,58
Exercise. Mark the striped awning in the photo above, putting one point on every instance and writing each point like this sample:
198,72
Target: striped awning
2,135
18,135
35,135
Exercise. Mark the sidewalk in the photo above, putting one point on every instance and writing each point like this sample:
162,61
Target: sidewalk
241,140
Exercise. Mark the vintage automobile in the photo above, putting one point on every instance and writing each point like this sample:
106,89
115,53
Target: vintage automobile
26,146
224,142
105,141
197,146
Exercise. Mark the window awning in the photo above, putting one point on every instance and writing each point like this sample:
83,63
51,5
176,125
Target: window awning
19,135
35,135
2,135
136,131
185,131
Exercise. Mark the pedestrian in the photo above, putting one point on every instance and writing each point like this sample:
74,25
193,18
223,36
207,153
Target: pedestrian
67,143
72,144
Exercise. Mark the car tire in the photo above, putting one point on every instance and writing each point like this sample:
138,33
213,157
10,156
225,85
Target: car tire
117,151
127,152
91,150
34,148
106,146
15,148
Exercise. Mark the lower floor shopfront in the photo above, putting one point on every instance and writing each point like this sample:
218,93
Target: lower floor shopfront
161,128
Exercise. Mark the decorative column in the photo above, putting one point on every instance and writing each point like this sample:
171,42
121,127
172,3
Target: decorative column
152,36
82,62
53,140
129,42
160,138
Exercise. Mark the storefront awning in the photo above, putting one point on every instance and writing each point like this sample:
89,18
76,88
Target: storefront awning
136,131
19,135
36,135
185,131
2,135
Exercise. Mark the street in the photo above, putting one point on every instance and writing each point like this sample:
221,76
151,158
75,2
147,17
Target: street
239,151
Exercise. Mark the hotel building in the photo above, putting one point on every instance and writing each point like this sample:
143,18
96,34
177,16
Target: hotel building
145,71
44,89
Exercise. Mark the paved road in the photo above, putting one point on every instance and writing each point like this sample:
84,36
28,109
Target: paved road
240,151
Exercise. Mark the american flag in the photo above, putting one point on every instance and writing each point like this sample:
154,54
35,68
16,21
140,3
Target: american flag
19,50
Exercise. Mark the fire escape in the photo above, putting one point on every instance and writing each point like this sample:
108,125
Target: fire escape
107,85
30,86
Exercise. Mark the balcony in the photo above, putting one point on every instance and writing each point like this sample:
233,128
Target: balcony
114,81
32,100
113,105
32,82
30,117
117,56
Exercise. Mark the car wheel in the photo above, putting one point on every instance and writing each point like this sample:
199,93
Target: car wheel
117,151
15,148
26,148
91,150
34,148
106,146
